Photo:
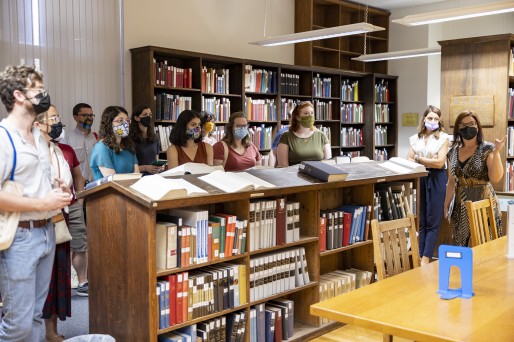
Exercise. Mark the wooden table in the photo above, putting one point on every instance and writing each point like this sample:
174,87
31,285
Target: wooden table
407,305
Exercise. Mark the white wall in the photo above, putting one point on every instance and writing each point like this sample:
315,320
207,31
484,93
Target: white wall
220,27
419,78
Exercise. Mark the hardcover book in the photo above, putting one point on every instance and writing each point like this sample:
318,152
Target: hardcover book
112,178
322,171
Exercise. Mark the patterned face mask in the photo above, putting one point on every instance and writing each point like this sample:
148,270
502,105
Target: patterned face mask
121,130
193,133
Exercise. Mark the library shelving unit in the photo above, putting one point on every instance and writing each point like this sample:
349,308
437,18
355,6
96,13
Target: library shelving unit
380,106
338,52
236,81
122,267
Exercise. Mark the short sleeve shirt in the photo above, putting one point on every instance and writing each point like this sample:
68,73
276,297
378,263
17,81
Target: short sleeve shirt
121,162
83,146
301,149
147,151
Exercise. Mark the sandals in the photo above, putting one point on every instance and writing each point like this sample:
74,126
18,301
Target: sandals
55,338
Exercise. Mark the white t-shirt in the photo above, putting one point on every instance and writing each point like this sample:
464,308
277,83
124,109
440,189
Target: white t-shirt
83,146
431,147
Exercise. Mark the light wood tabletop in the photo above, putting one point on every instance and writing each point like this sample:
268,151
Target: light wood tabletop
407,304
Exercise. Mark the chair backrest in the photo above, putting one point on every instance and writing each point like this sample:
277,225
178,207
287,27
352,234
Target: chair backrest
391,242
482,223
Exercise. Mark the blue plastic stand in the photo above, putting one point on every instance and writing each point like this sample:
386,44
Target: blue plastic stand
462,257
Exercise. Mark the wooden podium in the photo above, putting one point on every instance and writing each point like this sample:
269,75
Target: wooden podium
122,258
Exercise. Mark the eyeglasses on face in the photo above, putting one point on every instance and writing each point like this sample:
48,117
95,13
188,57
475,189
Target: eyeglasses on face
241,126
468,124
53,118
87,116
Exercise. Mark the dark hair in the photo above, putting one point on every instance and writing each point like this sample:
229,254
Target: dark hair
456,133
17,78
206,117
107,134
229,134
135,131
79,106
422,129
294,122
178,135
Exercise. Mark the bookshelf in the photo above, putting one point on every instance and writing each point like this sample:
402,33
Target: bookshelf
338,52
328,89
123,273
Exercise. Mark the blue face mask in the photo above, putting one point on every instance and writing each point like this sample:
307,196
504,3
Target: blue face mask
240,133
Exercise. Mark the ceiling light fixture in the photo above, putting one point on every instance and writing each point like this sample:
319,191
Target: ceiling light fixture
374,57
331,32
456,13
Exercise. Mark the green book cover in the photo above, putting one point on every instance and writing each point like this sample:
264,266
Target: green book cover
223,232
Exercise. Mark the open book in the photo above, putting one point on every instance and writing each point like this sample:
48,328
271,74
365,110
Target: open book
113,177
191,168
159,188
235,181
401,165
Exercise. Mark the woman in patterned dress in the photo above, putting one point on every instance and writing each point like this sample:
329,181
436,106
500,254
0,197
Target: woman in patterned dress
473,165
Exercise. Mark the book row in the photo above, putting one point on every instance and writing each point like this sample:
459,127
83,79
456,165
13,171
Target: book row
322,110
260,136
277,272
290,84
220,108
321,87
382,113
380,154
350,90
260,80
273,222
344,226
260,109
272,321
381,135
382,91
215,80
335,283
351,136
188,237
171,76
394,200
352,113
188,295
168,106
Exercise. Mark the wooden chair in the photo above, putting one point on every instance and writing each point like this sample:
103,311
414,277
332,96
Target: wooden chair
391,247
482,223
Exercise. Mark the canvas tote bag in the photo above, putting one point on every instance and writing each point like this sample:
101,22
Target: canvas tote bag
62,233
9,220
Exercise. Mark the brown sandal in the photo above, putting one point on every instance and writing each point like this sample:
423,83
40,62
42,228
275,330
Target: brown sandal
55,338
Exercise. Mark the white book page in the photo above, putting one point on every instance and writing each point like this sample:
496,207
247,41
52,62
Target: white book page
192,168
157,187
255,181
400,165
227,182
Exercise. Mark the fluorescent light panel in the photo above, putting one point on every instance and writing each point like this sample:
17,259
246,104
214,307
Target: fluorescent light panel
456,13
331,32
398,54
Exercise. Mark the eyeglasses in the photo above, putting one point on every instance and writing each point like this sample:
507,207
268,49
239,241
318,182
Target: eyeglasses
120,121
241,126
53,118
469,124
87,116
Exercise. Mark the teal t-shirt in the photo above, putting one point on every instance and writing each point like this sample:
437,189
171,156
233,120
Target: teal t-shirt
102,155
301,149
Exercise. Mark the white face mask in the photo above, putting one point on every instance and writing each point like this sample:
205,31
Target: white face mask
61,137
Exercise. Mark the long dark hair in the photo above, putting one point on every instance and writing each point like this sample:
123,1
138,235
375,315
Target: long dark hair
178,135
422,130
456,134
135,130
107,134
229,133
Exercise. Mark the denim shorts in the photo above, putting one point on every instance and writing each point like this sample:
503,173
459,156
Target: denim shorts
77,228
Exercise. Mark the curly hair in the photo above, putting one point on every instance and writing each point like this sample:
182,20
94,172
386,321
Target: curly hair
17,78
456,134
422,128
294,123
107,134
178,135
229,130
135,131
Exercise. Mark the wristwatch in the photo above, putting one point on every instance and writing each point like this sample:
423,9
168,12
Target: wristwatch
416,158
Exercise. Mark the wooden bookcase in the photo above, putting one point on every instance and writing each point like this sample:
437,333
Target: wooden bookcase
122,264
145,90
338,52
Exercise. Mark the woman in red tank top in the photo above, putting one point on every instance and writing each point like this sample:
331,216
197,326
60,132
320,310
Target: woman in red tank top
186,141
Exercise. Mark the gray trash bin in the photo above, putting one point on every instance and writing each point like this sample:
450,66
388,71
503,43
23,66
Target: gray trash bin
91,338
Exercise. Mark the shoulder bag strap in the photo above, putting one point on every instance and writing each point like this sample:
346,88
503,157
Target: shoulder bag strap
14,149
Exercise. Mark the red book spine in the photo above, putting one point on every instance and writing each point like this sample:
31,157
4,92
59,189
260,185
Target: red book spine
347,225
322,234
281,221
173,299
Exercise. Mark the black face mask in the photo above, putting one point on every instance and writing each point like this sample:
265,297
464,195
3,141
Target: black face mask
146,121
468,133
56,130
43,103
